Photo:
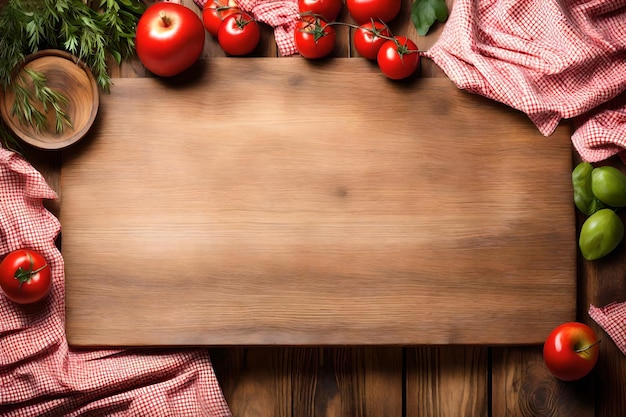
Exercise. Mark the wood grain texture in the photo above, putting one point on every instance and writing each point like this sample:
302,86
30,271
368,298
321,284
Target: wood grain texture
447,381
308,382
523,387
299,221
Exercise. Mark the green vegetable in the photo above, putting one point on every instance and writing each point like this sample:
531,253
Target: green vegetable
600,234
425,12
608,185
583,195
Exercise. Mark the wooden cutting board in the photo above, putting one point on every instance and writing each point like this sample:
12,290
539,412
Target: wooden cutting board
281,201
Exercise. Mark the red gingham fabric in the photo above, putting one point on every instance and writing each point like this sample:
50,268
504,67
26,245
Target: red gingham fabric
39,373
612,318
281,15
550,59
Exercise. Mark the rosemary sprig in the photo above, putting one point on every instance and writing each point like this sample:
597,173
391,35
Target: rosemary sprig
92,30
28,113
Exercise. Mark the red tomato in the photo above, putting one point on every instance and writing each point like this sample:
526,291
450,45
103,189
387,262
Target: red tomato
25,276
363,11
327,9
399,58
369,37
239,34
215,11
314,38
169,38
571,351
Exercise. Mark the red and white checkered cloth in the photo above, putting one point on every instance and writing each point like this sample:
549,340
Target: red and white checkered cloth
551,59
39,373
281,15
612,318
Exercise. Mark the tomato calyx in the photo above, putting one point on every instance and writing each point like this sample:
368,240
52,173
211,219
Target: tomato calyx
25,275
403,49
376,32
241,20
314,27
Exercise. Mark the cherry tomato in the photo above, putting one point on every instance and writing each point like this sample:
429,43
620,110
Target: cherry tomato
25,276
363,11
369,37
239,34
215,11
398,58
314,38
328,9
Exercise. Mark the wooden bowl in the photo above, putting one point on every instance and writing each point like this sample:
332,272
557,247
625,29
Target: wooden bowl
72,78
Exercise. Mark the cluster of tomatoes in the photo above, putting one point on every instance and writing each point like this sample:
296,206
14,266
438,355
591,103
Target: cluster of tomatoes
238,33
170,37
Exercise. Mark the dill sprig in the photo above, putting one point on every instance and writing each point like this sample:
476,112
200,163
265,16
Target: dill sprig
94,31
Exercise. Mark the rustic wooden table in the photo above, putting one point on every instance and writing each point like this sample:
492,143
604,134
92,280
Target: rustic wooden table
410,381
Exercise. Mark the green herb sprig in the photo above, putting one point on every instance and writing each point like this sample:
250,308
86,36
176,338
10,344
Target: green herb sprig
25,109
94,31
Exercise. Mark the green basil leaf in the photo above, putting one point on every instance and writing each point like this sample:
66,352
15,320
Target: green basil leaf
424,13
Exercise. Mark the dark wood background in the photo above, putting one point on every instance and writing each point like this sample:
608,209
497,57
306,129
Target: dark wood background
411,381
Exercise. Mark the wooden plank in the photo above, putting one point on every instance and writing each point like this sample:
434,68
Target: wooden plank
447,381
300,221
308,382
523,387
256,382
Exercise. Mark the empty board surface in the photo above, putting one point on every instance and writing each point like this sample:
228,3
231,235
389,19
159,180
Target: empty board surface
277,201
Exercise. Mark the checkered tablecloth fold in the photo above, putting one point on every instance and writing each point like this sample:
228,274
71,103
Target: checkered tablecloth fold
612,318
552,60
41,375
281,15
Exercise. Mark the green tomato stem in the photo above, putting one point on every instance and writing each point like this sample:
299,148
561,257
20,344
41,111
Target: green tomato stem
584,348
375,31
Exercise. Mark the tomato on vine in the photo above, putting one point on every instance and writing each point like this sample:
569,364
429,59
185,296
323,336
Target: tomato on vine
25,276
239,34
314,37
215,11
398,58
328,9
369,37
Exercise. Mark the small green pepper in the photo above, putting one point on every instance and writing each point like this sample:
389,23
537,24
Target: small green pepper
600,234
608,185
583,194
